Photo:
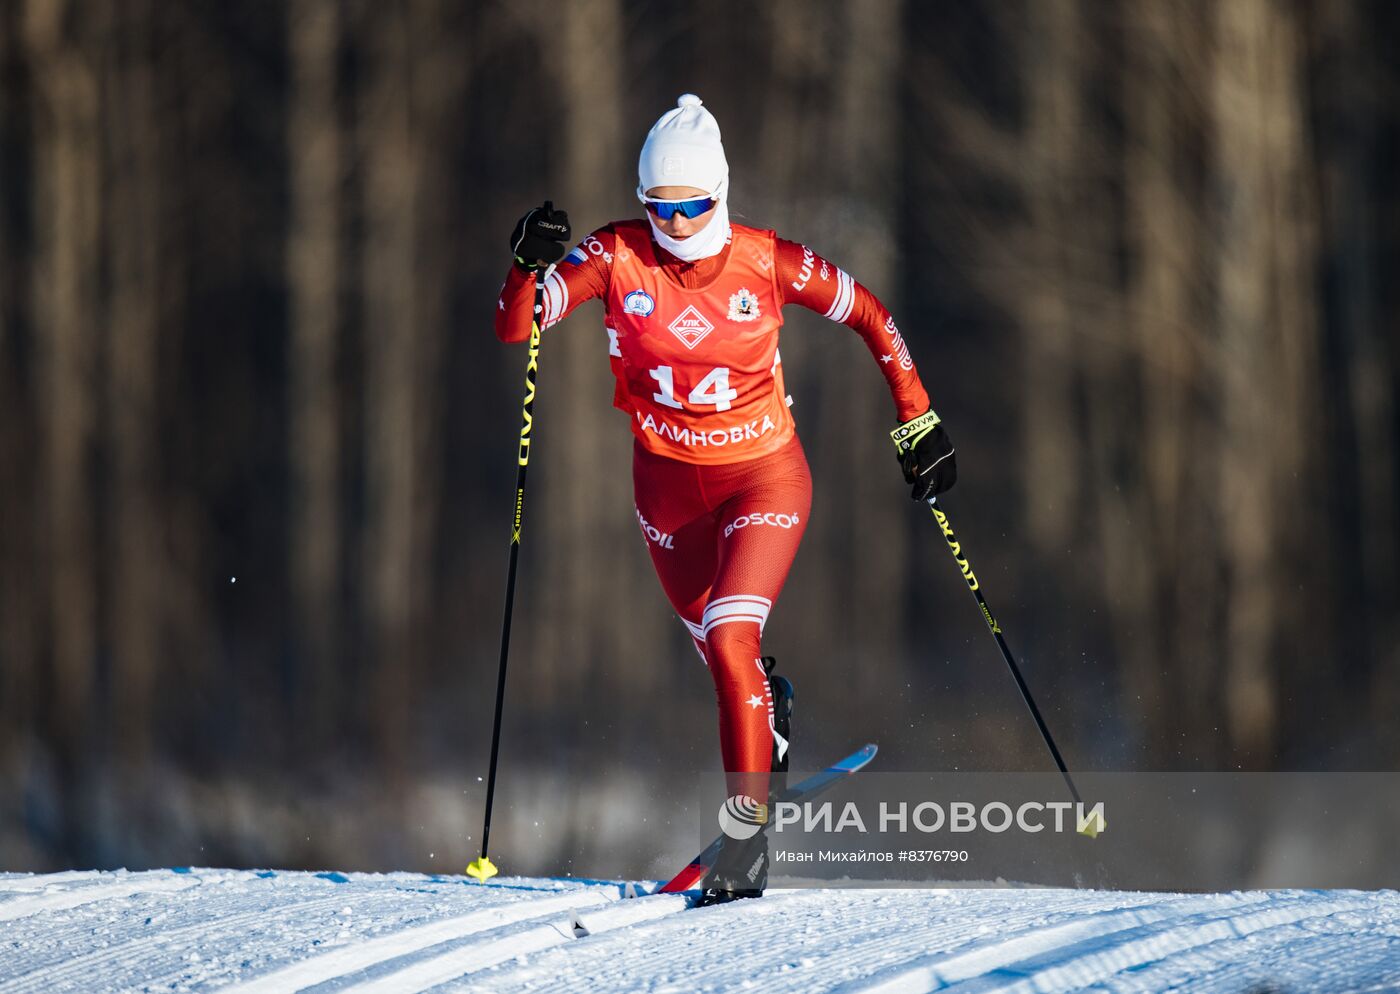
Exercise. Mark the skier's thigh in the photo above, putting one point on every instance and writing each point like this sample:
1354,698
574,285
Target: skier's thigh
685,561
757,538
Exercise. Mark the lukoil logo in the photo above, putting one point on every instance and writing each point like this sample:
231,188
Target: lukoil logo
776,520
741,817
809,260
664,539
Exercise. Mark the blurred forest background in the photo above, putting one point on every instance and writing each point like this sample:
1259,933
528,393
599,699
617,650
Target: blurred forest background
257,438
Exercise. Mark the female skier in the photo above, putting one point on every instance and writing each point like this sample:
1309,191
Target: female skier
692,307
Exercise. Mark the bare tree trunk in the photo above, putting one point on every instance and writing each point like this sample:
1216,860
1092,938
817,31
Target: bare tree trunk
315,146
391,157
587,653
1268,338
866,141
19,455
444,51
67,251
790,147
1172,673
581,523
1352,85
133,252
414,77
1081,416
1054,129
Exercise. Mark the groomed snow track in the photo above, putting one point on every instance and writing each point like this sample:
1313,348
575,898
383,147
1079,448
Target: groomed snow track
184,930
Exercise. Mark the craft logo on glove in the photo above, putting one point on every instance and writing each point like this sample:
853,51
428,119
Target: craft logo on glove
553,228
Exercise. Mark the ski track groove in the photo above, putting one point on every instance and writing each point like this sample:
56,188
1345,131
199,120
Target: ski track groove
950,933
28,882
661,938
65,925
676,941
1045,926
432,971
1065,970
1013,941
1098,954
1219,967
653,934
161,957
75,897
370,953
213,919
578,936
412,918
52,941
139,950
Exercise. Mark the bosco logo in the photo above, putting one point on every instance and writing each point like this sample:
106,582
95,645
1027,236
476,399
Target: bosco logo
593,245
775,520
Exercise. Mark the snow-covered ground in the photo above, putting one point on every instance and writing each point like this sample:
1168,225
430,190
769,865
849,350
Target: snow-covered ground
177,930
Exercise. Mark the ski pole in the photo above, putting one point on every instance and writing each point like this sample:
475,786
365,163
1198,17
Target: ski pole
955,547
482,868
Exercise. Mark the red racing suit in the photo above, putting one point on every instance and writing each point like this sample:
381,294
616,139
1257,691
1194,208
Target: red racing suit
722,486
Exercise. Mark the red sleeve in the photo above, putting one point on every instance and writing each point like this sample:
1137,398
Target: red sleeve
807,279
582,275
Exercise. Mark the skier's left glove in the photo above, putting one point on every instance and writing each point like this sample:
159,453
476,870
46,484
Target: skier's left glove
539,237
926,455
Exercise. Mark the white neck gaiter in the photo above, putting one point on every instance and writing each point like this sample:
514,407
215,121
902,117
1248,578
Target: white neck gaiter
706,242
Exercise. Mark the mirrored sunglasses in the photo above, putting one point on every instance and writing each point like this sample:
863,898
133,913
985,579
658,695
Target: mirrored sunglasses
667,209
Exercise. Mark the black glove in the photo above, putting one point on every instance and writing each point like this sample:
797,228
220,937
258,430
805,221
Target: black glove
539,237
926,455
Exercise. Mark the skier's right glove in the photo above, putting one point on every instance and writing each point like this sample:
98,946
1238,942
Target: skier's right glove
925,455
539,237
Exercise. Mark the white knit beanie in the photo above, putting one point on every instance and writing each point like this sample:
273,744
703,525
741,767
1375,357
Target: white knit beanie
684,148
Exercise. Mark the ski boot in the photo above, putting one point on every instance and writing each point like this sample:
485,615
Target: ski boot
741,871
783,692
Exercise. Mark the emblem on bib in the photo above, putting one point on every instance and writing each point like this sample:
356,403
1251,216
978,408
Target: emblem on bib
638,302
690,327
743,306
